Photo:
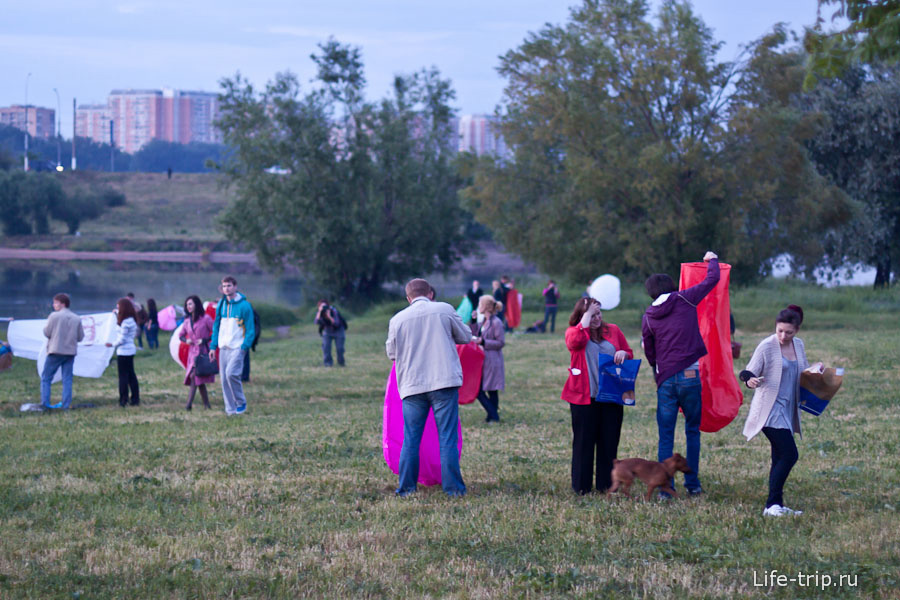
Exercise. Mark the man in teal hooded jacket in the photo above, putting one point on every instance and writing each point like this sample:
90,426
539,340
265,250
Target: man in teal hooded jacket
232,334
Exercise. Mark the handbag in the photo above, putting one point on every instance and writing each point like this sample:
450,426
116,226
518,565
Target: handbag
204,366
617,381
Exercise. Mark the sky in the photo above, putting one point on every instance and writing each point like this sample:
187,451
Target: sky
86,48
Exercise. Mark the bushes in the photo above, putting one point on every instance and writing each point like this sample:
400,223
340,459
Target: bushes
28,201
271,315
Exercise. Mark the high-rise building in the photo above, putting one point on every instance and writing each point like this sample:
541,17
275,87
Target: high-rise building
136,116
190,116
140,116
92,121
41,121
479,134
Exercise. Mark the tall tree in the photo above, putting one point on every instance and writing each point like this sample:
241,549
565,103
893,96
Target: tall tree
630,153
858,148
355,193
872,35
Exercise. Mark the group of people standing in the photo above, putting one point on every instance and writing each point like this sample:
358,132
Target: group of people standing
228,337
421,340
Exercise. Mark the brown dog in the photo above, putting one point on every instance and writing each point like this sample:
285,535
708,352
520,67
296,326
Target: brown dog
654,474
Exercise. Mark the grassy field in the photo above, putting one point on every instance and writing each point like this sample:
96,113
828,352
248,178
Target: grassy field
159,213
295,500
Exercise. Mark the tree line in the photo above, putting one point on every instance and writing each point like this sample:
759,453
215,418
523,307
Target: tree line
155,156
634,148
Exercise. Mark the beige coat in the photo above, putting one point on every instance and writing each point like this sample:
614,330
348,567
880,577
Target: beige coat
422,341
766,362
63,331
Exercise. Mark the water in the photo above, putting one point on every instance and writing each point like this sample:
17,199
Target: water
27,287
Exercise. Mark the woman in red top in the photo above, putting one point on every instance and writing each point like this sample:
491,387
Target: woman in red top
595,425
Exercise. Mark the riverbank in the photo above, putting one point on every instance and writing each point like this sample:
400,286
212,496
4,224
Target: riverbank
128,256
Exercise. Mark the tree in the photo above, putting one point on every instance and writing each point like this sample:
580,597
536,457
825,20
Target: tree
632,152
27,202
872,35
91,155
79,205
858,148
355,193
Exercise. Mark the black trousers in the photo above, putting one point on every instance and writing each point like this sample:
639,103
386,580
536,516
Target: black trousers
127,379
491,403
596,428
784,457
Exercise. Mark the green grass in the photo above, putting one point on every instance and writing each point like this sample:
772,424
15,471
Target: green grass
295,500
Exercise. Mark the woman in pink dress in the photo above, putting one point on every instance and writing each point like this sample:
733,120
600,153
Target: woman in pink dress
196,332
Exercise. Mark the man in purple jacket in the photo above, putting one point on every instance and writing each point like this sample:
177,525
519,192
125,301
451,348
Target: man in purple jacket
673,347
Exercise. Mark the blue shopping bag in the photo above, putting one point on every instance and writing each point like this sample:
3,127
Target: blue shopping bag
617,381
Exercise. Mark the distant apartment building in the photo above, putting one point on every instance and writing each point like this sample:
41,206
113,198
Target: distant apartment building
140,116
92,121
479,134
190,117
41,121
136,117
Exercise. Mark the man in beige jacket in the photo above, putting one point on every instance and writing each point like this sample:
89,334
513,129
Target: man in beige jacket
63,331
422,341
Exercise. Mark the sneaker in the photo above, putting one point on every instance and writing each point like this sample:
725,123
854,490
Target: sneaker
240,409
791,511
695,492
776,510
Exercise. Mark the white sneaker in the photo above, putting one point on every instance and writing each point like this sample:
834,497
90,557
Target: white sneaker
776,510
791,511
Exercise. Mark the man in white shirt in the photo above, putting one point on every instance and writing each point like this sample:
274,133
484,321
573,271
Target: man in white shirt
422,341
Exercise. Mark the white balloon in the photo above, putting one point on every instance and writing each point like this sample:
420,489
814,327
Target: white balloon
606,289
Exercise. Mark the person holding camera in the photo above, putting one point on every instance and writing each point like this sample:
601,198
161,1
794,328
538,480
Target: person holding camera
332,328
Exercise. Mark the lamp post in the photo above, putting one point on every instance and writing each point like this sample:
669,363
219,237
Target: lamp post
26,120
58,150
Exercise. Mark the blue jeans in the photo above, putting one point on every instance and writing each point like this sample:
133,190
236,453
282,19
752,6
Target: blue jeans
338,338
680,391
550,313
445,403
152,336
54,362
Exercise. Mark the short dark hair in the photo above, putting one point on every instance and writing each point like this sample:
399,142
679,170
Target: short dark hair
659,284
63,299
792,315
418,288
229,279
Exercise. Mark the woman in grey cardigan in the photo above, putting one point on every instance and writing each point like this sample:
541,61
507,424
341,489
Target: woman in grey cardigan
126,330
491,335
774,374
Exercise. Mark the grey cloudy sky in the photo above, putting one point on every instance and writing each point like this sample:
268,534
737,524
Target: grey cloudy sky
86,48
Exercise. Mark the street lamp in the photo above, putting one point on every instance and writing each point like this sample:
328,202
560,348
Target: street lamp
26,120
58,150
